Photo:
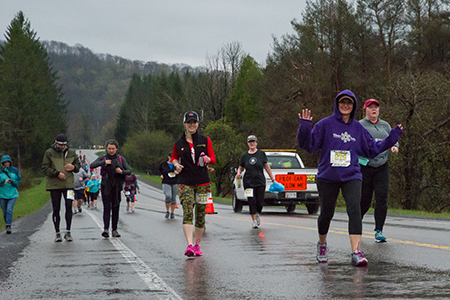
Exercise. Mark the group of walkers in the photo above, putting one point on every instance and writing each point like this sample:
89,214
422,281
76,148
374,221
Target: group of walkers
341,140
64,173
353,159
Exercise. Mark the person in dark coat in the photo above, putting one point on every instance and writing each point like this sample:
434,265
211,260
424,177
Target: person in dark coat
114,167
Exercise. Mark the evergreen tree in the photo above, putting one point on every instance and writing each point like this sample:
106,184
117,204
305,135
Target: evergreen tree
30,99
242,108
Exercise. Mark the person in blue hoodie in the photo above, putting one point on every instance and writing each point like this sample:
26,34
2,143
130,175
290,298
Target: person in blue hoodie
9,181
340,139
94,186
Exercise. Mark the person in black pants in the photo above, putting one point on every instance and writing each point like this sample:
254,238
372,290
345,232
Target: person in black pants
375,171
113,170
58,165
254,162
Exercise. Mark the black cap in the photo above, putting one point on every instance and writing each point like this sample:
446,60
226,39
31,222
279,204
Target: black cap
61,139
190,115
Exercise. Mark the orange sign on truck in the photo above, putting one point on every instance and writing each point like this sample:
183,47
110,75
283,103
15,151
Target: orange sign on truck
292,182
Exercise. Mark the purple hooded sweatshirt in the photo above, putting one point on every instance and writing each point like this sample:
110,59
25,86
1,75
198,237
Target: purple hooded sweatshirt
340,143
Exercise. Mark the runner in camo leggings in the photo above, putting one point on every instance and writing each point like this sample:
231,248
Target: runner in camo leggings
191,155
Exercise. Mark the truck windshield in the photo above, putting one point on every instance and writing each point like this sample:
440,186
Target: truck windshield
283,162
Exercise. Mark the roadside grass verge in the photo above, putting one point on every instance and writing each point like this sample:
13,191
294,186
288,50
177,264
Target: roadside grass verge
29,200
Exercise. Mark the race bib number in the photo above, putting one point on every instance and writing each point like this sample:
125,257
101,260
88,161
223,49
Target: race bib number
172,175
248,193
127,193
201,198
340,158
70,195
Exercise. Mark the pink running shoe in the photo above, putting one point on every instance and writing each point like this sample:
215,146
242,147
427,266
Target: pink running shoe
189,251
197,250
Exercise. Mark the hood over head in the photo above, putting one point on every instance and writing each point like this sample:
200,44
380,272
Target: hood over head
345,93
6,158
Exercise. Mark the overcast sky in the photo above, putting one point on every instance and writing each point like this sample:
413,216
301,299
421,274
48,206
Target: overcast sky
166,31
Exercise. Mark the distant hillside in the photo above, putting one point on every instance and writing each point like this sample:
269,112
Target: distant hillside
94,85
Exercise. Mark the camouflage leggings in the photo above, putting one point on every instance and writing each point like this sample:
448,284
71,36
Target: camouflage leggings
187,200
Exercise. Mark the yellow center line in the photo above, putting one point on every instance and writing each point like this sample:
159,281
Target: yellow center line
343,231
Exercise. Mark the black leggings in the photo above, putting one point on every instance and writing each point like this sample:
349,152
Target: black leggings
256,203
55,195
328,193
375,180
111,205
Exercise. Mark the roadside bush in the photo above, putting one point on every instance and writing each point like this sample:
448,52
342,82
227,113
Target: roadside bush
28,179
145,150
228,147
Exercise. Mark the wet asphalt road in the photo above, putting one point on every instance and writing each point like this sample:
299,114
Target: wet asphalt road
276,261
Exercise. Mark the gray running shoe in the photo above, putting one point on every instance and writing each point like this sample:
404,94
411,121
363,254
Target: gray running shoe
322,252
258,220
254,224
58,238
358,259
115,233
68,237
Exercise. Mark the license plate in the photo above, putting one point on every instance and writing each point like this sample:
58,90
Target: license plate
291,195
292,182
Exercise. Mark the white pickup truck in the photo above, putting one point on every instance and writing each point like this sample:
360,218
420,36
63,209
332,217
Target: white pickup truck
288,169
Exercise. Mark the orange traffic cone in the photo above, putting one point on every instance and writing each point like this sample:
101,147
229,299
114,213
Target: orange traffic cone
176,205
210,205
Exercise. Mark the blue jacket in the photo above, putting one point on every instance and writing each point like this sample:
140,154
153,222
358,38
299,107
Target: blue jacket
93,185
9,190
340,143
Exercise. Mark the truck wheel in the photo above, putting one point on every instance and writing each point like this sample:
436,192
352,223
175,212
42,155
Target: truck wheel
237,204
290,208
312,208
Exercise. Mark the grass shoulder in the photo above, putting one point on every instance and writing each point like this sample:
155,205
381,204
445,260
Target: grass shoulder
29,200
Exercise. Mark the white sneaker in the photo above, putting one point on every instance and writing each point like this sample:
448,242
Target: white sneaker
254,224
258,220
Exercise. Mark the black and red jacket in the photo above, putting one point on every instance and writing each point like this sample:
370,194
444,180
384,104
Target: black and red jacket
192,174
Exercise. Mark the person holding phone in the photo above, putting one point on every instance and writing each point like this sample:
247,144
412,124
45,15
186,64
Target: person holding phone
9,181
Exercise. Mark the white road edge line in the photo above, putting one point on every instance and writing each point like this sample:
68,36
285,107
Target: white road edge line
153,281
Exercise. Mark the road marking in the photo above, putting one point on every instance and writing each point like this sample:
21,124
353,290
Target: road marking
153,281
345,232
